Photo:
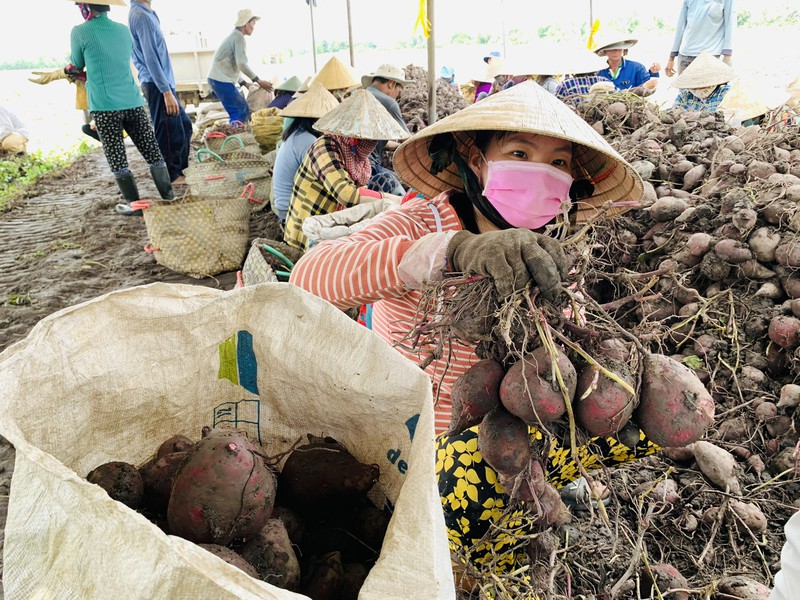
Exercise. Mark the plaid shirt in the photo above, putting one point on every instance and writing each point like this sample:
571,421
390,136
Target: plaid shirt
572,89
688,101
321,185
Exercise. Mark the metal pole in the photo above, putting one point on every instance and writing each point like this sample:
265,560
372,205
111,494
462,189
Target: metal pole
313,35
503,22
350,35
431,67
591,15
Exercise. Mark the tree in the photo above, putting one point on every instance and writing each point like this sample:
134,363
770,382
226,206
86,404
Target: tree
459,39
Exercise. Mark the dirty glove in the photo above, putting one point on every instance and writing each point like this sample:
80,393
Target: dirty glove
44,77
511,257
344,222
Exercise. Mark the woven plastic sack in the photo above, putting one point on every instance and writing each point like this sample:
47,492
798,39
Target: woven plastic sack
267,127
198,236
222,144
112,378
257,269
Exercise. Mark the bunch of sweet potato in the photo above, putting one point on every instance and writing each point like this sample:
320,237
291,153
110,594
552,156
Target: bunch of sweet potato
308,527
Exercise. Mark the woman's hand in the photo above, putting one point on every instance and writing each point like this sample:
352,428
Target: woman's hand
512,258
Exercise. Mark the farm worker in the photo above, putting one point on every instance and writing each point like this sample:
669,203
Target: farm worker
472,167
541,73
336,169
448,75
14,135
583,67
284,93
229,60
151,58
69,73
386,84
744,104
337,77
623,72
704,26
103,47
703,84
297,138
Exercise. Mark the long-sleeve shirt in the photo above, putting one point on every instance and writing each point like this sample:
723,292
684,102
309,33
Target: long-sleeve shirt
150,54
287,162
321,186
688,101
629,74
391,105
573,89
281,101
103,47
364,267
230,59
704,26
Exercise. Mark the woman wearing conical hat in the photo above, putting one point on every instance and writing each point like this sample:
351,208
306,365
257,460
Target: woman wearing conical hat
297,138
337,77
703,84
284,93
336,169
495,175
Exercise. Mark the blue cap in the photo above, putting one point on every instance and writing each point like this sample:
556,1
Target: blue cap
447,73
492,54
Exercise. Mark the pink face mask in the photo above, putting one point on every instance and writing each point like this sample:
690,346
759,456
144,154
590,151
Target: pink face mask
526,194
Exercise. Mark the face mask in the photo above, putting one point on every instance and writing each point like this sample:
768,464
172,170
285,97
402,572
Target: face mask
527,195
703,92
86,12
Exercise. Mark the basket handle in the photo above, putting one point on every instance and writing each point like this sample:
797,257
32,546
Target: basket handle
250,189
215,135
149,248
231,137
206,152
141,204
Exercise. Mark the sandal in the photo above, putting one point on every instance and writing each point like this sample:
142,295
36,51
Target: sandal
126,210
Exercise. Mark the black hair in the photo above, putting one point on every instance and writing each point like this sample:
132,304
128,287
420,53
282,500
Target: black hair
279,93
301,124
100,8
380,80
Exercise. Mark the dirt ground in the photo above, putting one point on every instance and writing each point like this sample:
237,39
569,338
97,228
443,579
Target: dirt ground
63,244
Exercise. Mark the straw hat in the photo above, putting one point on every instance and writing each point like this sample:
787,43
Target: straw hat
745,102
361,116
244,17
315,103
386,71
705,71
614,43
794,92
105,2
335,75
290,85
525,107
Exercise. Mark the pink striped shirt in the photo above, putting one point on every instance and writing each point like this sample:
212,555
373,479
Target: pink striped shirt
363,268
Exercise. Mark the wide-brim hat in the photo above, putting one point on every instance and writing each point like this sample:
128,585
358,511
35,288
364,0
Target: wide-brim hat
315,103
391,72
491,56
530,108
290,85
744,102
616,43
244,17
361,116
705,71
335,75
106,2
303,88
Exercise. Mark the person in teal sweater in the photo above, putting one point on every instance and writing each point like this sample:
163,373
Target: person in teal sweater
103,47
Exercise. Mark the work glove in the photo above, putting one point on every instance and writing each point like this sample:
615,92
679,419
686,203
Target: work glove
344,222
512,258
44,77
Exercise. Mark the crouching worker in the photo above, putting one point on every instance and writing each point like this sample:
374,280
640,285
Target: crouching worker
103,47
496,174
703,84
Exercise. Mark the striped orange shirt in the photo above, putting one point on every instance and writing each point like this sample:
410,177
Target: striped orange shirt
363,268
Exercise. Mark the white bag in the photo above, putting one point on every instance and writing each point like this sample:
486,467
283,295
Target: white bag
113,377
787,581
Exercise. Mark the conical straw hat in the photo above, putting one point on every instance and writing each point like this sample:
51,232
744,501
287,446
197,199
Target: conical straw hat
706,70
361,116
525,107
745,102
614,41
315,103
794,92
335,75
290,85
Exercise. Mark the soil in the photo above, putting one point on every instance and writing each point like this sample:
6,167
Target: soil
63,244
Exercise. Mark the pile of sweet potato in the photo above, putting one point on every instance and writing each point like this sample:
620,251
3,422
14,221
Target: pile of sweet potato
307,526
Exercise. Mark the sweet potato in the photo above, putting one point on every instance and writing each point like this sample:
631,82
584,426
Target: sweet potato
121,481
223,490
763,242
667,208
675,409
732,251
231,557
602,406
321,477
743,588
718,465
273,557
790,396
663,577
158,478
504,442
326,578
785,331
177,443
751,515
531,391
475,393
354,574
294,523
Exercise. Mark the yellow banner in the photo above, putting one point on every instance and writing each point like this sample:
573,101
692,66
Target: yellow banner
591,44
422,19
